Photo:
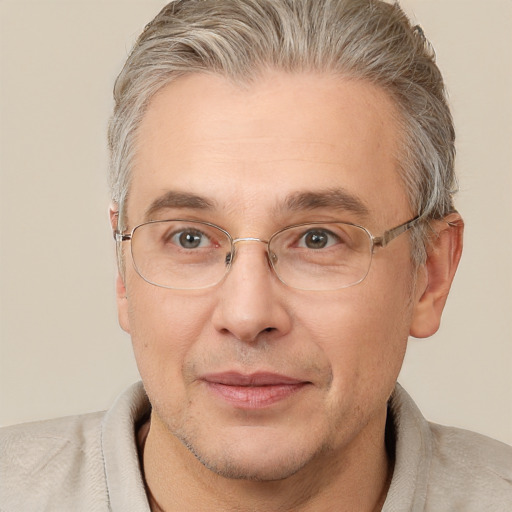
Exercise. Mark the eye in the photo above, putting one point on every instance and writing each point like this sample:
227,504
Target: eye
190,239
318,239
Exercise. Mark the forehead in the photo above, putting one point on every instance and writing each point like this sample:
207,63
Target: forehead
250,148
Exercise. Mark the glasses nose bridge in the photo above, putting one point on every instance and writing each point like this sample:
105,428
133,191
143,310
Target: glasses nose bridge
249,239
235,241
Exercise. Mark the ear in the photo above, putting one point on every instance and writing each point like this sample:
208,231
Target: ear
121,293
443,257
113,213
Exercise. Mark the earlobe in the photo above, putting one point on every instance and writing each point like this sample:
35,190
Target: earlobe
122,304
439,270
121,294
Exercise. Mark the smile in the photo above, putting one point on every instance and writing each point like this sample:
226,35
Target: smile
253,391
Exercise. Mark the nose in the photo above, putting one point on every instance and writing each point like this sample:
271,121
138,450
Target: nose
251,298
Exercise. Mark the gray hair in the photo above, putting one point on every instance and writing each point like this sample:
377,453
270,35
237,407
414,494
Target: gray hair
364,39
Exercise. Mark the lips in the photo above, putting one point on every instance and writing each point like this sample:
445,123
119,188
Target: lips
253,391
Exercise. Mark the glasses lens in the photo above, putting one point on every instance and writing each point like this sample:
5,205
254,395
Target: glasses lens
180,254
321,256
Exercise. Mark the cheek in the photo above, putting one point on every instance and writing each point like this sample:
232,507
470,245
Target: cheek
164,325
363,333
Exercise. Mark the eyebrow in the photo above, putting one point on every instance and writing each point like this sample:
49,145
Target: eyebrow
174,199
338,198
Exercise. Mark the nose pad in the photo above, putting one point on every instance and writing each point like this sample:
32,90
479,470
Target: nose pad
270,256
231,256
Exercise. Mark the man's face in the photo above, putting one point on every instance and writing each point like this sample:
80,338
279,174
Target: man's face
258,379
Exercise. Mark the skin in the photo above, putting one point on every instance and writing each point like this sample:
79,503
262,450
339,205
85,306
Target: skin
320,447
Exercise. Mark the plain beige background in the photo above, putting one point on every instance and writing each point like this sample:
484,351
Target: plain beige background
62,351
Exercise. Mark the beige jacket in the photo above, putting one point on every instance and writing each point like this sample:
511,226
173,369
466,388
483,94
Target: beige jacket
90,463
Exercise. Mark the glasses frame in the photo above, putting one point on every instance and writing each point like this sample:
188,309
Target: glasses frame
376,242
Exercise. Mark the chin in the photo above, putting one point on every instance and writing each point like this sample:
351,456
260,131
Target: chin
252,470
249,461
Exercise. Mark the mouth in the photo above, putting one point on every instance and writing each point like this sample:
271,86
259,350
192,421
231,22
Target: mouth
253,391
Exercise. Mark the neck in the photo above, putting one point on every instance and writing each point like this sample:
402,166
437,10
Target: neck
353,478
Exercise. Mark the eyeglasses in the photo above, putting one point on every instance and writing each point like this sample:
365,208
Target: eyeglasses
185,255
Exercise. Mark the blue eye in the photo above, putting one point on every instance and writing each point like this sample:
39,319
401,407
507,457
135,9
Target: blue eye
318,239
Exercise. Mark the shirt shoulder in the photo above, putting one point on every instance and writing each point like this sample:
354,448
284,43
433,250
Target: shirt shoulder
475,470
442,469
47,465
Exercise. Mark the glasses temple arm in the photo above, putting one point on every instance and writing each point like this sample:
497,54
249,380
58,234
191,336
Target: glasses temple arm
120,237
391,234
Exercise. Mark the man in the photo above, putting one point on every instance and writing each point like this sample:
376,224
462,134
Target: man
282,180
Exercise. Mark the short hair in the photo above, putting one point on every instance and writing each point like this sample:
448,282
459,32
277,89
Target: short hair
370,40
